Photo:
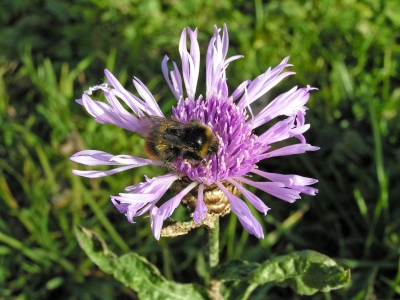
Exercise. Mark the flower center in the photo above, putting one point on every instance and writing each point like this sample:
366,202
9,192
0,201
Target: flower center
237,147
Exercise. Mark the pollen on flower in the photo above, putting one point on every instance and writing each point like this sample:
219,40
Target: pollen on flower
213,183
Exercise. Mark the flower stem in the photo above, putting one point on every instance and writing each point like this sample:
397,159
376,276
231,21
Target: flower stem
213,260
213,239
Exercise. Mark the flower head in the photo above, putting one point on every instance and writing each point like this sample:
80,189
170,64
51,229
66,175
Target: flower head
230,118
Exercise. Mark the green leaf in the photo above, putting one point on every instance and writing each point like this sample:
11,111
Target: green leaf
134,271
307,272
236,270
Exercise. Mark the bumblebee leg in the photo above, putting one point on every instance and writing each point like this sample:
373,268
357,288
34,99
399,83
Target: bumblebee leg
192,158
205,163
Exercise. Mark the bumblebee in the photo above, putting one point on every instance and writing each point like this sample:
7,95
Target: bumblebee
168,139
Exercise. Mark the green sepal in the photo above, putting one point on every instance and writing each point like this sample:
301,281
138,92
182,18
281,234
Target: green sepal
135,271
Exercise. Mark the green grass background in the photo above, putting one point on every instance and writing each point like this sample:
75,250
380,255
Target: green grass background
51,51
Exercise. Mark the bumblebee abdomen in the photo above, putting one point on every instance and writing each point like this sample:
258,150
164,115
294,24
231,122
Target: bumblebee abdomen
161,151
169,139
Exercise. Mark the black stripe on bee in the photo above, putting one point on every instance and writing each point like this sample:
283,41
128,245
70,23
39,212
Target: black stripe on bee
168,139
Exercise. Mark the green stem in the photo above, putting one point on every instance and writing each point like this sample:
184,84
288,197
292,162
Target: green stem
213,260
213,239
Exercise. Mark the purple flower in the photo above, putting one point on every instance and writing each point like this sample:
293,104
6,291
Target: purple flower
231,119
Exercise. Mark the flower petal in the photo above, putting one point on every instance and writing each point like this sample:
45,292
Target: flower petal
241,210
122,207
115,113
288,104
278,132
93,158
190,62
132,160
266,81
101,158
201,209
136,104
166,210
289,150
216,64
240,90
143,196
294,182
104,114
253,199
97,174
152,107
176,84
158,185
283,130
276,189
137,198
287,179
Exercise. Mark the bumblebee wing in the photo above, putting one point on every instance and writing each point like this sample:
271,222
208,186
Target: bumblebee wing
148,123
169,131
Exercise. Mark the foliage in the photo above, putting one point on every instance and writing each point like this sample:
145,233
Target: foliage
134,271
51,51
307,272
